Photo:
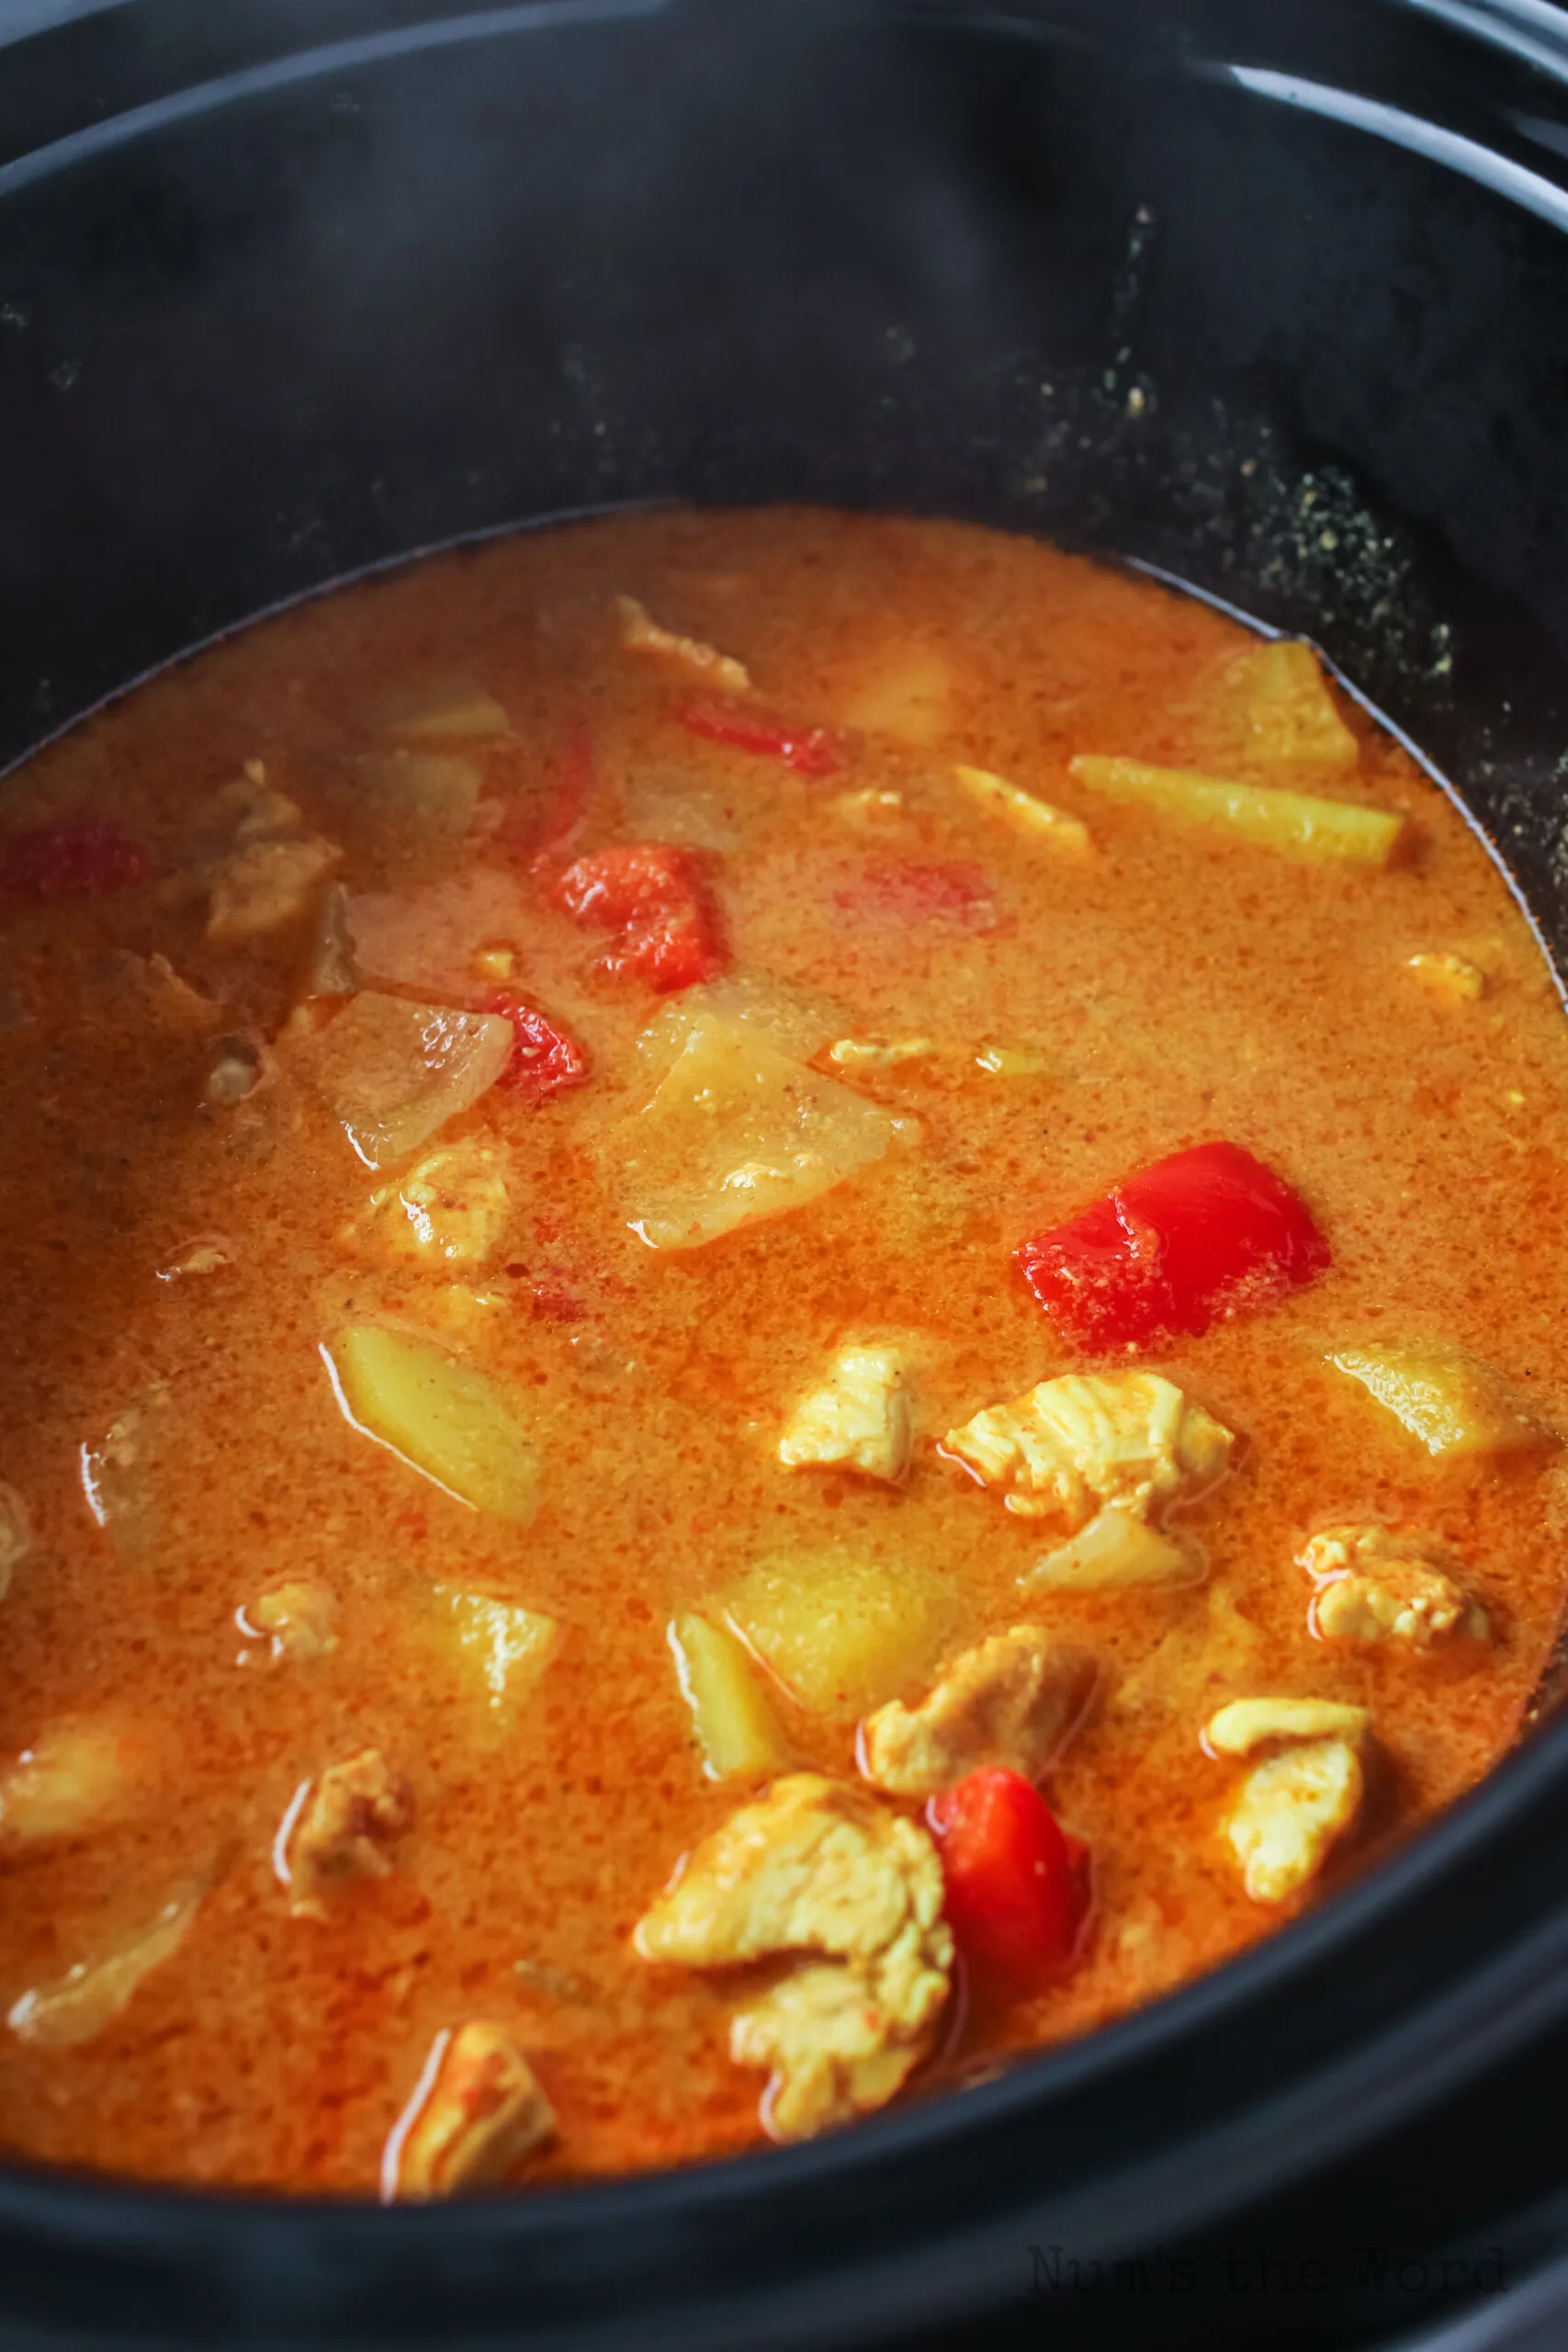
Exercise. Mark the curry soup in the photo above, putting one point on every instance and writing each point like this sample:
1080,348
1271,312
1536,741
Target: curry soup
835,1196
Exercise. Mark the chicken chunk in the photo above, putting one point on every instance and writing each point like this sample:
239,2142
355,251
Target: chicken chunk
859,1419
274,867
640,633
861,1054
1293,1809
478,2110
1246,1724
1376,1587
1015,1701
816,1866
450,1210
1074,1444
353,1814
299,1619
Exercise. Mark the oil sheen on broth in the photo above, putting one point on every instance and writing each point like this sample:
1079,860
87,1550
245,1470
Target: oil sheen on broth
839,1196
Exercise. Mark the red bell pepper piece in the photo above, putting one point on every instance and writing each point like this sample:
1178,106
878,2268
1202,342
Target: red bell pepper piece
546,1058
652,897
1017,1885
77,857
1205,1233
810,750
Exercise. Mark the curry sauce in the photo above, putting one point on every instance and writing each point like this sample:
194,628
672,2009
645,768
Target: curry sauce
350,1059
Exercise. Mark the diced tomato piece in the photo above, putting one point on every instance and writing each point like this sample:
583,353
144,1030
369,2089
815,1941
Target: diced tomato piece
652,895
906,890
546,1058
810,750
1017,1885
1205,1233
77,857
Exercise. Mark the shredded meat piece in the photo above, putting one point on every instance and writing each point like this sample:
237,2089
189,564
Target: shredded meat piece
818,1866
859,1419
1072,1445
1014,1700
480,2113
640,633
1374,1587
299,1618
355,1811
273,868
1293,1809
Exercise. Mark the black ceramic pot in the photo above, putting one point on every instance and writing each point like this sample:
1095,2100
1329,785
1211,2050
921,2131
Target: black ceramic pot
1273,296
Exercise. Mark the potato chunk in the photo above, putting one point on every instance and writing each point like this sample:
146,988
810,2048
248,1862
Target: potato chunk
451,712
90,1996
73,1778
909,697
859,1419
1375,1587
273,868
816,1866
447,1417
1022,809
1273,708
736,1729
1453,1403
1291,1810
448,1212
476,2112
841,1633
1015,1701
1294,824
1070,1445
1448,978
298,1618
394,1072
737,1130
500,1648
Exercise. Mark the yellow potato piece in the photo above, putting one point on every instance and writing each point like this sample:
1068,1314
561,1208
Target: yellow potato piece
503,1649
1022,809
908,699
1451,1401
736,1729
451,712
843,1634
1294,824
1276,706
444,1417
737,1130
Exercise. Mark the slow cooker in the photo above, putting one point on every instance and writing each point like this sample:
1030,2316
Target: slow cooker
1269,298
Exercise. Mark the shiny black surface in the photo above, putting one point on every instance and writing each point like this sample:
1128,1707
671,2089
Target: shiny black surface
1275,298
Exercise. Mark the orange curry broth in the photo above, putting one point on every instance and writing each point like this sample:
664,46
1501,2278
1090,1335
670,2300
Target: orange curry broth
1182,987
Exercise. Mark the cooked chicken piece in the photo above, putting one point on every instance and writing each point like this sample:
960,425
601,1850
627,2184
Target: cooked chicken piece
1015,1701
1117,1547
1291,1809
449,1210
273,868
640,633
16,1536
299,1618
1374,1587
1248,1723
354,1813
859,1419
1085,1440
478,2112
1448,978
70,1781
816,1866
